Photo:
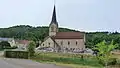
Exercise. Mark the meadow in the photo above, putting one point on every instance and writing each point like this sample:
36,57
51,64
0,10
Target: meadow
73,60
70,60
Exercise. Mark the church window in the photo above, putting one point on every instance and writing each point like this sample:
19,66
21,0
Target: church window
68,43
76,42
49,43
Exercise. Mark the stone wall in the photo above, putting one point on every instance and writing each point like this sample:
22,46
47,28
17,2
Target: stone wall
71,43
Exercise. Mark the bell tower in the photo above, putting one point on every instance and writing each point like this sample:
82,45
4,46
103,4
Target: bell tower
53,27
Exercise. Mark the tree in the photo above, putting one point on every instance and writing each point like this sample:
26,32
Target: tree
4,44
31,48
104,53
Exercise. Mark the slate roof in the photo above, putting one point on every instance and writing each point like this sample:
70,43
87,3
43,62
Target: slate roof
54,19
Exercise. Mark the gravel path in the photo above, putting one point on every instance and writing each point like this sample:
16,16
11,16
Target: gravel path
23,63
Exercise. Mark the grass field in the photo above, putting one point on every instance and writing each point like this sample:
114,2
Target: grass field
70,65
72,60
69,60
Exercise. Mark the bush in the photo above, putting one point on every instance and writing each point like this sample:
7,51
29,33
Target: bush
112,61
31,49
16,54
4,45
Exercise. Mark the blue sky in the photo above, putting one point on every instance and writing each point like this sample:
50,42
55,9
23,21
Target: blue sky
83,15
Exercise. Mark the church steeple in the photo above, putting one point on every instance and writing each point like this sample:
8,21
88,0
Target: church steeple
53,27
54,15
54,19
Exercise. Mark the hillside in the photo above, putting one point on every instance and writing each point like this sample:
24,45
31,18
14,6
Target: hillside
39,33
27,32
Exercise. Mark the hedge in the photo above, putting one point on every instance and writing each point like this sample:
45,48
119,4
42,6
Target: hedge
16,54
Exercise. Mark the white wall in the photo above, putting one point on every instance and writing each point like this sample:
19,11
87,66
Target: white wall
46,43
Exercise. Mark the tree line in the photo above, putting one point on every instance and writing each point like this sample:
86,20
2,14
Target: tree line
39,33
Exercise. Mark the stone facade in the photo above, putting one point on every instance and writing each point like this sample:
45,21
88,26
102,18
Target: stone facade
53,29
71,44
48,43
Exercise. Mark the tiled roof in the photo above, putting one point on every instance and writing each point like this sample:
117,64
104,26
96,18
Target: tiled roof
69,35
26,42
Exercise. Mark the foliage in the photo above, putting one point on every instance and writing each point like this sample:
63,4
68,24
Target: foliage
104,54
31,49
67,59
93,38
4,45
16,54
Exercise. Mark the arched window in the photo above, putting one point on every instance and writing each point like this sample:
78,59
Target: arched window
68,42
76,42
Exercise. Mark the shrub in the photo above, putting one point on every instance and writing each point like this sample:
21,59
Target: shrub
4,45
112,61
31,49
16,54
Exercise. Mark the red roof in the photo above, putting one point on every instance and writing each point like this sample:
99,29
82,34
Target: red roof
26,42
69,35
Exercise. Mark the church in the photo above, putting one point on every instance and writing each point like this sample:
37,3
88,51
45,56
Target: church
63,41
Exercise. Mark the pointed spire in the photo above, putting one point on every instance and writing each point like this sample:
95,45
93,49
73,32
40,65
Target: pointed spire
54,20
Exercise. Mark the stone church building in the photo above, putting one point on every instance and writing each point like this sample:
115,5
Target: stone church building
63,41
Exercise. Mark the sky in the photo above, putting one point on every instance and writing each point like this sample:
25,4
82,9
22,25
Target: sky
83,15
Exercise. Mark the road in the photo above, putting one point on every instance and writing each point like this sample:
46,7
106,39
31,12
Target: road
23,63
